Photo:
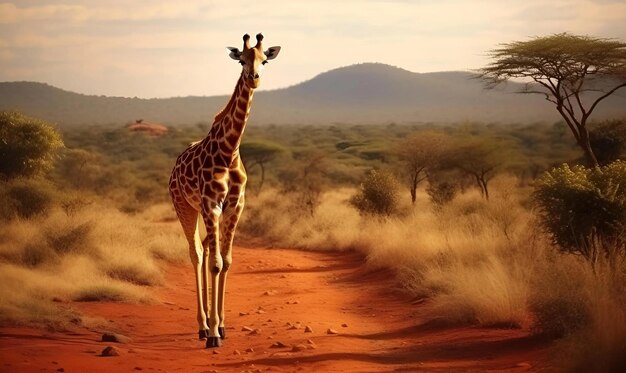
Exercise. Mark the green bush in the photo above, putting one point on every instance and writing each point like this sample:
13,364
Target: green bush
27,145
378,194
584,209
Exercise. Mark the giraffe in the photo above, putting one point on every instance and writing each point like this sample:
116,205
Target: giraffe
208,182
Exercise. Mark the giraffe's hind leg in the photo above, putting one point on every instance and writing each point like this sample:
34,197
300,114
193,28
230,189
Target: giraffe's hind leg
188,217
228,226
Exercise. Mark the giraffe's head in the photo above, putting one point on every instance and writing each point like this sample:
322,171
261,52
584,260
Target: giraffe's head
252,59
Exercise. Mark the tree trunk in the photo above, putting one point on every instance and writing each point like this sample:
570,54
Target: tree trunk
585,144
262,175
485,190
414,188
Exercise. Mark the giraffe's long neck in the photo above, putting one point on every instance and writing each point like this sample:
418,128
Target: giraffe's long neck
230,123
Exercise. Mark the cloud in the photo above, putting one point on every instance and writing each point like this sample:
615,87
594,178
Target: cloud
177,48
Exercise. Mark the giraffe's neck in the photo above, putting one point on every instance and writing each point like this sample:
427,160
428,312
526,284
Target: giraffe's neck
230,123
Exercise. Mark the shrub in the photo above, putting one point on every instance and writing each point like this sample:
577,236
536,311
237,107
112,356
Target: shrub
378,194
441,193
24,198
27,145
584,209
608,140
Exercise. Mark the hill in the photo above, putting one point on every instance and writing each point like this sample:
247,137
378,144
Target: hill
364,93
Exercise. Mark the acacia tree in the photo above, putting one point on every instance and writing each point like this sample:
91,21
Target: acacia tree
420,152
260,153
573,72
478,158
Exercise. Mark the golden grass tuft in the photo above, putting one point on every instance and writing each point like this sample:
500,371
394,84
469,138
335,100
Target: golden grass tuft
94,254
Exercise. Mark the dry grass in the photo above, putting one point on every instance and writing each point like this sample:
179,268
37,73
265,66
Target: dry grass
464,256
478,262
94,254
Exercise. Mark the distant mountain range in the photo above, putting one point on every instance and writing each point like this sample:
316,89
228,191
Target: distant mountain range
358,94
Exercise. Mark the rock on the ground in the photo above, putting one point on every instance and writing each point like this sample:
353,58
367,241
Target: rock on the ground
246,329
110,351
255,332
298,347
115,337
278,344
344,325
308,329
249,349
332,331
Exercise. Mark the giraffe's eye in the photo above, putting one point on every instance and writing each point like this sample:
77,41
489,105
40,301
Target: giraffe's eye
264,62
242,63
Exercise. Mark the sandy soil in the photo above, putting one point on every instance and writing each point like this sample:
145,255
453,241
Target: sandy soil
378,328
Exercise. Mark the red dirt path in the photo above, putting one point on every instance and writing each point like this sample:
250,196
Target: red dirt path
385,331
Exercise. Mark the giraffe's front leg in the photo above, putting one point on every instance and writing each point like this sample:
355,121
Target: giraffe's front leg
228,227
215,265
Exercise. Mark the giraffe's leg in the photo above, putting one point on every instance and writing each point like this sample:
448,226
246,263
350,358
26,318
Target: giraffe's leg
189,221
206,287
228,225
211,220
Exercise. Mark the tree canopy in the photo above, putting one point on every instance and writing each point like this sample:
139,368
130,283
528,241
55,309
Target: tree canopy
573,72
27,145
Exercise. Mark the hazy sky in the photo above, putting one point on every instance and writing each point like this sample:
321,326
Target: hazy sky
148,48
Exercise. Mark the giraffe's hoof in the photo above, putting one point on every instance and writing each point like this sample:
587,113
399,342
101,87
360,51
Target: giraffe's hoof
222,332
203,334
213,342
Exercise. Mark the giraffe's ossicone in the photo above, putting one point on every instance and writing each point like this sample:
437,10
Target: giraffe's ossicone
208,182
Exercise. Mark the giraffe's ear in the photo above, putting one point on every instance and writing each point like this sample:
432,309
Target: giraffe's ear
272,52
235,53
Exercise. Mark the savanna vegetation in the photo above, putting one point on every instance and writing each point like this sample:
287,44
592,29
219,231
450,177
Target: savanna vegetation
491,224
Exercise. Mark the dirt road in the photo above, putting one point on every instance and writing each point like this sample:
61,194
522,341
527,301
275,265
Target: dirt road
275,295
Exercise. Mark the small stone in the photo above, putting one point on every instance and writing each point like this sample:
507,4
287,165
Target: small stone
243,313
236,352
344,325
114,337
295,302
308,329
60,370
298,347
138,368
110,351
246,329
267,292
278,344
292,327
310,342
260,312
283,276
255,332
332,331
250,349
215,352
269,320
